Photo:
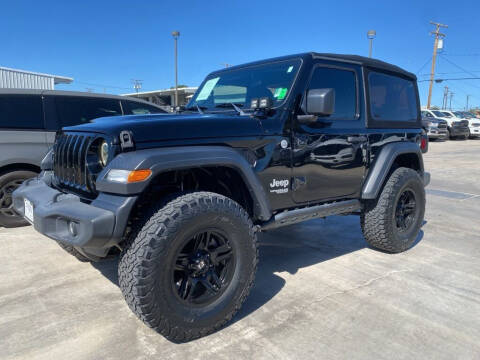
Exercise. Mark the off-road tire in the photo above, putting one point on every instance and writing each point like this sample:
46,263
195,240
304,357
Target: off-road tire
8,182
72,251
378,216
146,264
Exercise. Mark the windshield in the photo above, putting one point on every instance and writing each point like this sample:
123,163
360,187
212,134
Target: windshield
439,114
240,86
448,115
459,114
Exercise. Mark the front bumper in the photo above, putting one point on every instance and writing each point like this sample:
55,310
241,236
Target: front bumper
474,131
459,131
436,133
96,226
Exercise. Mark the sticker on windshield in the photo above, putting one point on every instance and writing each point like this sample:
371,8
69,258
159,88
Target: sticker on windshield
290,68
280,93
207,89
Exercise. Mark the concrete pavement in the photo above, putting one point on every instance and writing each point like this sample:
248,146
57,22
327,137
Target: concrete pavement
320,292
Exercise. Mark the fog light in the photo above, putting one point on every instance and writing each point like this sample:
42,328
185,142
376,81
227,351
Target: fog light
72,228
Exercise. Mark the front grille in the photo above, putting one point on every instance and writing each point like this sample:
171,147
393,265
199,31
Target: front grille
461,123
476,124
442,125
70,162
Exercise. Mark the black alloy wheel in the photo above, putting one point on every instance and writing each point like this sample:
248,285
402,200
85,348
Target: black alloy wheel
204,268
405,210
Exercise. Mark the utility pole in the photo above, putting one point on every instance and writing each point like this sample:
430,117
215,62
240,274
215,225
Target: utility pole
438,35
451,96
466,106
175,35
445,98
137,85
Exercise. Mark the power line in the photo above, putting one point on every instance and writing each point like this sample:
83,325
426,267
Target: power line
464,70
426,63
450,73
463,54
458,66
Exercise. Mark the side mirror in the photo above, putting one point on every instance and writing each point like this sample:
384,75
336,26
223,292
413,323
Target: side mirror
320,102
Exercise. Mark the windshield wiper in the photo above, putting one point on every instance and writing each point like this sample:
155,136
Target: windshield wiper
233,105
197,108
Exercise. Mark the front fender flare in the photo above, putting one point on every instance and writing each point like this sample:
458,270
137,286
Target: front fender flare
165,159
383,163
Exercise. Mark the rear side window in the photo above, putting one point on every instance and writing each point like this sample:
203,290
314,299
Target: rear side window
392,99
344,84
134,108
80,110
21,112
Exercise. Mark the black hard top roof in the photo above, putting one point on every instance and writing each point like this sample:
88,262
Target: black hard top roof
71,93
356,59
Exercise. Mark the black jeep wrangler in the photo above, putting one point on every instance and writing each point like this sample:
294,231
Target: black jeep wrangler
181,197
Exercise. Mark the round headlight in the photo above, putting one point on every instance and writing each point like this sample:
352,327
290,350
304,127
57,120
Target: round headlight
103,153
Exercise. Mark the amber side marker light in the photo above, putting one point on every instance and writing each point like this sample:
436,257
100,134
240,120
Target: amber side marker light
138,175
128,176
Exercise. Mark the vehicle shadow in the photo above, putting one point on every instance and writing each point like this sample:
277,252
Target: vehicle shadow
287,250
298,246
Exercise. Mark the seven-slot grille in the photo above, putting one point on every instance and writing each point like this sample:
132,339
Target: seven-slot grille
70,161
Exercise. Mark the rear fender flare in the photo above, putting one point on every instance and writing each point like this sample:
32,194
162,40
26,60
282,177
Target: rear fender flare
383,163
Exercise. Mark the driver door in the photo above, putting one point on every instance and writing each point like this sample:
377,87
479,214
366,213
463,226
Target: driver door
329,155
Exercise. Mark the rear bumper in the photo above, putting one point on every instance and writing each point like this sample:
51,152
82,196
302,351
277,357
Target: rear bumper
93,227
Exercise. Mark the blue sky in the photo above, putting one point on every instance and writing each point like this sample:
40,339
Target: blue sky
105,44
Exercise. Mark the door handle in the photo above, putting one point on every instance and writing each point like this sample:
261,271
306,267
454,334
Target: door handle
357,139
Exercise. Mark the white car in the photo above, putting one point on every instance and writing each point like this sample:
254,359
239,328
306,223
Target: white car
473,122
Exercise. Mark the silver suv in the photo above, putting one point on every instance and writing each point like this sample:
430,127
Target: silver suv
29,120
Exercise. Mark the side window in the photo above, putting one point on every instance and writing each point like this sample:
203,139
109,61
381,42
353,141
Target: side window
134,108
426,114
73,110
392,98
344,84
21,112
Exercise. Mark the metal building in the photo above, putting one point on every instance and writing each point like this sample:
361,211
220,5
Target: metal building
21,79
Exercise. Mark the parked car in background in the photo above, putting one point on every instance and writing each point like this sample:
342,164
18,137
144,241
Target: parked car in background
29,120
456,128
473,122
435,128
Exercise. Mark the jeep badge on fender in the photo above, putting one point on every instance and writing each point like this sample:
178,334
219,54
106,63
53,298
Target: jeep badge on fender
180,198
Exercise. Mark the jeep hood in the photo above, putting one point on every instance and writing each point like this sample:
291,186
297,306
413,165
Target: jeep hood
157,127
